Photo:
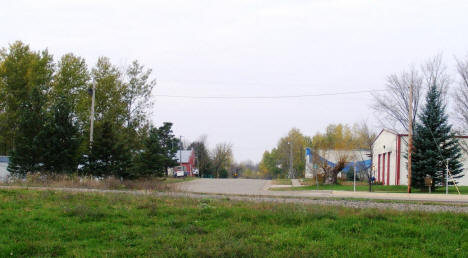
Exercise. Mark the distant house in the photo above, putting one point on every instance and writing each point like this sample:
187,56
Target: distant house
186,158
389,158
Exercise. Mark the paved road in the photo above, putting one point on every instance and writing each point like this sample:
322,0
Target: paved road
260,187
226,186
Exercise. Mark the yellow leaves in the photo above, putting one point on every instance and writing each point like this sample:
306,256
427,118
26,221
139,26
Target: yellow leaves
341,137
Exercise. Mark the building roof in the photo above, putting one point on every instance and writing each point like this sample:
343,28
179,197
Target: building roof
185,156
405,134
352,155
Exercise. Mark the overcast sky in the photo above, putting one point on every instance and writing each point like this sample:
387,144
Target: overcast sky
249,48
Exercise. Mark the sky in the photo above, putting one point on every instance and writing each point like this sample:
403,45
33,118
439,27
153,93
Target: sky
250,48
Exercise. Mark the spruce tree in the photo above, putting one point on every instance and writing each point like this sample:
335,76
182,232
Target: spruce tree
169,144
151,160
60,139
27,155
109,156
434,143
158,153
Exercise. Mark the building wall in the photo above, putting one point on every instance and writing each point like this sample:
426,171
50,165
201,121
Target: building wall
385,150
464,180
395,143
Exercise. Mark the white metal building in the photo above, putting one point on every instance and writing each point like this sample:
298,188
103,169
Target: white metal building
390,164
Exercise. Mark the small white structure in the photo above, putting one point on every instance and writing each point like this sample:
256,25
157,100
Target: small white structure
389,163
308,164
3,168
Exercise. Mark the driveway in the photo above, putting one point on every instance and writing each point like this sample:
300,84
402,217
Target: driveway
227,186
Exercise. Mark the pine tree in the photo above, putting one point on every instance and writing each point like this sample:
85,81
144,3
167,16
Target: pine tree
108,155
27,155
169,144
60,139
434,143
158,153
151,160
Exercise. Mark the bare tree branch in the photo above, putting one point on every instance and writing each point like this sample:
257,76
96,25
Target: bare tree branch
461,94
393,105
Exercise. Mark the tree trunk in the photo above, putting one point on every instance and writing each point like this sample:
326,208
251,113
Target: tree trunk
330,177
331,173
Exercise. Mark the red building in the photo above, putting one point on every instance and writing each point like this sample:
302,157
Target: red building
188,160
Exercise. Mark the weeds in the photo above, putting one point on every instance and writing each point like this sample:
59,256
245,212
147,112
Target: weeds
34,223
112,183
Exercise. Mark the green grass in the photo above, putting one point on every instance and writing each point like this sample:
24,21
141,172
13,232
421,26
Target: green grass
281,182
375,188
47,223
171,180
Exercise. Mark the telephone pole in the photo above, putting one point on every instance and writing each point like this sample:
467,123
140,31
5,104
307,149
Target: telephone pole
291,173
410,133
180,153
92,91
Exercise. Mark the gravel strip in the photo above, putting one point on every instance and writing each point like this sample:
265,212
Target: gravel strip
344,203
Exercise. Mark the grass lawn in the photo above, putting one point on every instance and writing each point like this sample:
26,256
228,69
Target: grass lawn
171,180
47,223
281,182
375,188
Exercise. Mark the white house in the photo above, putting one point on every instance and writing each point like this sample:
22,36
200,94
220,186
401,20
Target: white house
390,164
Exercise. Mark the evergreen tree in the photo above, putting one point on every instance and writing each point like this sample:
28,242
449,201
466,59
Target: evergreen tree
151,160
60,139
108,155
434,143
158,153
169,144
27,155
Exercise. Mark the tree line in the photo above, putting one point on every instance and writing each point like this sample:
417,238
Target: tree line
436,147
276,163
45,116
217,163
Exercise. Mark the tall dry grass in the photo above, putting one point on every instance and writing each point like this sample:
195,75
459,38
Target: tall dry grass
89,182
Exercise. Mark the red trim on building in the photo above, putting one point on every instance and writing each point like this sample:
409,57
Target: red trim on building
378,169
398,155
388,168
383,168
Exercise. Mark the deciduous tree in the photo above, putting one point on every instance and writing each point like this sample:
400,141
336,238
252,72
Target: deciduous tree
202,156
222,158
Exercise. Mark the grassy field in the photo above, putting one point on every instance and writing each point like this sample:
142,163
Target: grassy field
47,223
375,188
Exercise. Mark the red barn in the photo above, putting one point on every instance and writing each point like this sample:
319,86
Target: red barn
188,160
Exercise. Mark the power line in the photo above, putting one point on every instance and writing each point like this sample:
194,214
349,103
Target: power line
269,97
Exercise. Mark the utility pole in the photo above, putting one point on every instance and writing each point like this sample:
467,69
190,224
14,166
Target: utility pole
291,173
180,153
354,179
92,91
410,133
446,176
